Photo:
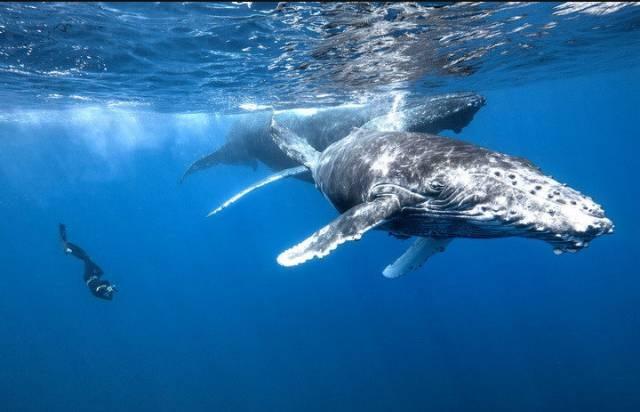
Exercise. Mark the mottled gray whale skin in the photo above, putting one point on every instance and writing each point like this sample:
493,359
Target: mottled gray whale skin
249,138
437,188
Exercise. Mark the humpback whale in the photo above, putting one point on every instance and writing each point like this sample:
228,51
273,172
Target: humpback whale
249,139
436,189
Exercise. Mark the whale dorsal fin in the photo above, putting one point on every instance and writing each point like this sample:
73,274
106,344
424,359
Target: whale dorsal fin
351,225
294,146
414,257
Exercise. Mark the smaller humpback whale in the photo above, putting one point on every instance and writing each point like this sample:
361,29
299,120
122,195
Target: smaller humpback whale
249,138
437,189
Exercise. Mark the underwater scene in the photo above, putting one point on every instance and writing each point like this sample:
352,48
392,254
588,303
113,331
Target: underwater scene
319,206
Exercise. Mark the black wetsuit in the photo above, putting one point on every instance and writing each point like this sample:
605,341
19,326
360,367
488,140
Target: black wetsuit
92,272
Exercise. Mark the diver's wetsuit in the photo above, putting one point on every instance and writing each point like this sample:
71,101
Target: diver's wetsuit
92,272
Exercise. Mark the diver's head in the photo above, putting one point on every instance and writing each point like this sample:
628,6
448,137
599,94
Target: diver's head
106,291
110,291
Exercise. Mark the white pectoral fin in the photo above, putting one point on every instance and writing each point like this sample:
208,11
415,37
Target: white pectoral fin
418,253
351,225
292,145
270,179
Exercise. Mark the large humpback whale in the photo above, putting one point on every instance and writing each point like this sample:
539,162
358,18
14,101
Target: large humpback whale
435,188
249,138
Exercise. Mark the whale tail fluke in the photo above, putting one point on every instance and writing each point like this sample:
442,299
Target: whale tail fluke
227,154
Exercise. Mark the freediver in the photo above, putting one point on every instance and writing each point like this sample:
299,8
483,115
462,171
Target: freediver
100,288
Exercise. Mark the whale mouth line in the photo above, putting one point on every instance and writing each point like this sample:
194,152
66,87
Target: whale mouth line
439,214
491,222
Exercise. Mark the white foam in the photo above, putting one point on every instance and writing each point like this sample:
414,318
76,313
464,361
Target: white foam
592,8
251,107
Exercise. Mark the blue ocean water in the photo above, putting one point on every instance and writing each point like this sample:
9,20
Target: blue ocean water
205,318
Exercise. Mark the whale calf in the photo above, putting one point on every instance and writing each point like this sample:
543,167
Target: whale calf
437,189
249,138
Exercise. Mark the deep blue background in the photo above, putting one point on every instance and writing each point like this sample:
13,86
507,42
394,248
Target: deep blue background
207,320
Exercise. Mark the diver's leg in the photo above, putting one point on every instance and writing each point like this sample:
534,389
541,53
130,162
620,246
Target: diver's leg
91,269
100,288
63,232
70,248
76,251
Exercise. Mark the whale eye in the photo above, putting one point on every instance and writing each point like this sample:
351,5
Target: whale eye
436,185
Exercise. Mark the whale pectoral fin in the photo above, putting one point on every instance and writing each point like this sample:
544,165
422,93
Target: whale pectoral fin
292,145
351,225
418,253
269,179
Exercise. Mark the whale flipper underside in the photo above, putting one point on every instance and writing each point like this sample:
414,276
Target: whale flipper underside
351,225
267,180
414,257
294,146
